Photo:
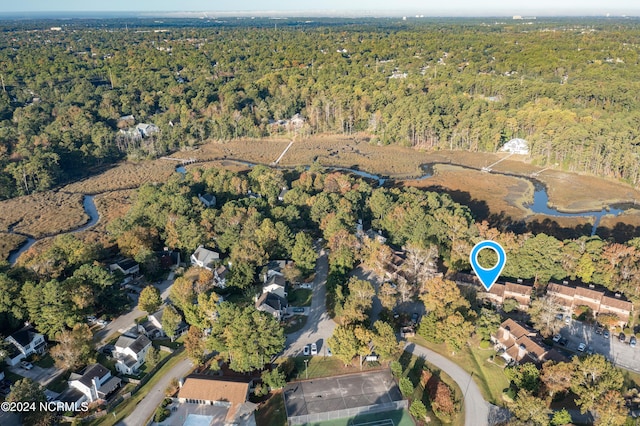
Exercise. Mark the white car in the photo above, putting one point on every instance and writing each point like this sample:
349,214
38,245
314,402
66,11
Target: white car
314,349
306,285
26,365
582,347
305,351
557,338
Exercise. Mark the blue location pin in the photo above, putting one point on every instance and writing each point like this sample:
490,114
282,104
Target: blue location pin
489,276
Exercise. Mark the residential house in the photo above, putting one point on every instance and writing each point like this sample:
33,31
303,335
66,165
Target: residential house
495,294
130,353
517,343
146,130
223,392
275,284
24,343
153,329
563,295
272,304
209,200
95,383
499,292
220,276
128,267
283,193
516,146
615,305
205,258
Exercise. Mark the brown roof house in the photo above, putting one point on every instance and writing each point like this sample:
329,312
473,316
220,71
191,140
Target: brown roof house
517,344
218,391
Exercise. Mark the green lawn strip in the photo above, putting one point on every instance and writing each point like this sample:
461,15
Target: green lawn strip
272,411
320,366
125,408
489,377
295,323
399,418
300,297
60,383
45,362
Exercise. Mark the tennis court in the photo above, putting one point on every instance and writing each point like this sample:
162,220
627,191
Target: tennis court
339,393
389,418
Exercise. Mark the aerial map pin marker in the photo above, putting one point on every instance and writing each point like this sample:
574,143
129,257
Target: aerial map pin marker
488,276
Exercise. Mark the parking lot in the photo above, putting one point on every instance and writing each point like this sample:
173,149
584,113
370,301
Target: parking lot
620,353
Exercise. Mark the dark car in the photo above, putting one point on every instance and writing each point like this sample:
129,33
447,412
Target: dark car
622,337
632,341
415,317
605,334
563,341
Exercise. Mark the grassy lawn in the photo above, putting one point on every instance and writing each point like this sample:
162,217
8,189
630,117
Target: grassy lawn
60,383
398,417
320,366
489,377
126,407
295,323
272,411
12,376
167,342
45,361
300,297
413,367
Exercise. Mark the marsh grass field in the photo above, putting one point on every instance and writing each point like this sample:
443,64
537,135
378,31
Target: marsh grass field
44,213
504,193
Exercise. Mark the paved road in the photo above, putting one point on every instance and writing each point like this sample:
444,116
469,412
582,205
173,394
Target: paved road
147,406
125,321
476,409
319,326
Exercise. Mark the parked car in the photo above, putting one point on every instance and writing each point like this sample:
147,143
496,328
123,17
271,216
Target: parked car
26,365
563,341
632,341
305,351
582,347
306,285
314,349
559,317
599,330
622,337
557,338
107,350
298,310
102,322
567,319
415,317
605,334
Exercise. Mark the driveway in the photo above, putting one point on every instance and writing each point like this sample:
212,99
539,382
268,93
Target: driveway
125,321
146,407
319,326
38,374
476,409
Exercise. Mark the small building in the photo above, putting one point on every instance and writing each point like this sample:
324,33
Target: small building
283,192
209,200
516,146
220,276
519,292
95,383
217,391
23,343
205,258
146,130
130,353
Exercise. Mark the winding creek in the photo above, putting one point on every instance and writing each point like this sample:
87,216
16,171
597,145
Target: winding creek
89,208
540,204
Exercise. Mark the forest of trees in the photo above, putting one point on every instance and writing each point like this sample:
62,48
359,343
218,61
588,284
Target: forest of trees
569,87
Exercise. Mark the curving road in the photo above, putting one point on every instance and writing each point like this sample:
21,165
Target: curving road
476,409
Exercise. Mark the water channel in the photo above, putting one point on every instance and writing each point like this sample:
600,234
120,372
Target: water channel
89,208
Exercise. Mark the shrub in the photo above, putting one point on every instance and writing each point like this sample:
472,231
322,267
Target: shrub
510,305
161,414
485,344
396,368
418,410
406,387
561,417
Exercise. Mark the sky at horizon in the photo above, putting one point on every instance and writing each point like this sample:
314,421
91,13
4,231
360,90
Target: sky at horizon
454,7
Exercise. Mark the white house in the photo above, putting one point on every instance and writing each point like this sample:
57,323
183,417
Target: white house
95,382
516,146
153,329
23,343
130,353
204,258
147,130
126,266
220,276
275,284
